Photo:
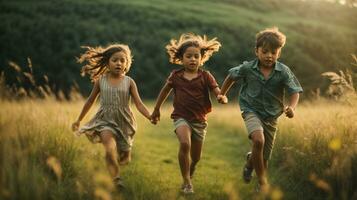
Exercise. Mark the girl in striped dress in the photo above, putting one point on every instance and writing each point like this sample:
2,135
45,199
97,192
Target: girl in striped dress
114,124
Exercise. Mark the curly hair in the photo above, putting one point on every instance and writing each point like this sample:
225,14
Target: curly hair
97,59
270,37
176,49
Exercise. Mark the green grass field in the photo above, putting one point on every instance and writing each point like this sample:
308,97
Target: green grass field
315,156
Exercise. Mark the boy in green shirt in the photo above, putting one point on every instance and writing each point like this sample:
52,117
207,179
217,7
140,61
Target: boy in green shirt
263,84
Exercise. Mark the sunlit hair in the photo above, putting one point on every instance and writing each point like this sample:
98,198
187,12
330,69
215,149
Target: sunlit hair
97,59
270,37
176,49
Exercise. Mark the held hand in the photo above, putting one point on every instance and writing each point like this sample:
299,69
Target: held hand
75,126
155,116
222,99
152,120
289,111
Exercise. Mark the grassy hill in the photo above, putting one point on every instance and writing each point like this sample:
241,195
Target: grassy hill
320,36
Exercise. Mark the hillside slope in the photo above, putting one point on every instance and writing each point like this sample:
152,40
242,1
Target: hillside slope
320,36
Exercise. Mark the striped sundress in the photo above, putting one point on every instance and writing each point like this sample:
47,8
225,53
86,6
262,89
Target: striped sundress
114,114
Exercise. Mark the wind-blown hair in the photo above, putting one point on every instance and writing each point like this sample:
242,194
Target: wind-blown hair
270,37
176,49
97,59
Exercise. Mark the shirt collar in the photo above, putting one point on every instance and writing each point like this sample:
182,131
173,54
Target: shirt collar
181,71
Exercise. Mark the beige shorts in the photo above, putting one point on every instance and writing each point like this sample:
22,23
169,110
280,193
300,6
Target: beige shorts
198,129
269,128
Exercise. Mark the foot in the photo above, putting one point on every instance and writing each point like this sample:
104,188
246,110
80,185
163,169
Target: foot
247,171
125,158
263,188
187,189
124,161
118,182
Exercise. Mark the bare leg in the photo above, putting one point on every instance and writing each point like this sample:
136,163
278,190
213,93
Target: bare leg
196,152
184,136
257,156
250,163
111,154
265,165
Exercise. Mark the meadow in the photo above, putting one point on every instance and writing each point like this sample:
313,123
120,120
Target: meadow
315,156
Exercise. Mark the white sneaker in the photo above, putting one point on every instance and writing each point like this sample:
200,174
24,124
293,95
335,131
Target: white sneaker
188,189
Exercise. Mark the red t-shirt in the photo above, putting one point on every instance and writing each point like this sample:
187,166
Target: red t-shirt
191,97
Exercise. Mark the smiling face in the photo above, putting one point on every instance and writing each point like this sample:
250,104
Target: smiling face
267,56
118,63
191,59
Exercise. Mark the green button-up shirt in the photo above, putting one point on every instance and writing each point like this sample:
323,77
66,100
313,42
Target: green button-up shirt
264,97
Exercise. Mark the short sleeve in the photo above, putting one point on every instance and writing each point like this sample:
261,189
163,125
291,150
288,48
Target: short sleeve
211,81
291,83
236,73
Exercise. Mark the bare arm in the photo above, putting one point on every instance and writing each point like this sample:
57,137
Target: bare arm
89,102
294,99
227,84
216,91
165,91
137,100
220,98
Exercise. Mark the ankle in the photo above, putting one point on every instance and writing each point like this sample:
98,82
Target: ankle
263,181
187,181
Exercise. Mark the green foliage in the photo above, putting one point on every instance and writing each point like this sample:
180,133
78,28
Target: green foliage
320,36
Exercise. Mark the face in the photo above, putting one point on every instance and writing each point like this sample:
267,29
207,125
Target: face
267,56
191,59
117,63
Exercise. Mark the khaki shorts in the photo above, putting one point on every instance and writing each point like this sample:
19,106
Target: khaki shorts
269,128
198,129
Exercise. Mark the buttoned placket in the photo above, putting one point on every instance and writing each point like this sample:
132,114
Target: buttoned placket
264,82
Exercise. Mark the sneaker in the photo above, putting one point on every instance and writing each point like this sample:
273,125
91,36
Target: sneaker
119,183
247,171
187,189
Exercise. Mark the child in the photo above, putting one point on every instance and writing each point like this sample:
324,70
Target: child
191,86
114,124
263,81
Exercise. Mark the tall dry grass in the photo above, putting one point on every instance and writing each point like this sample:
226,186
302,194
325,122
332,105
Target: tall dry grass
314,158
316,153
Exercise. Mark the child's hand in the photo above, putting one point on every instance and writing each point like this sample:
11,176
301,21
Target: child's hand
222,99
153,121
289,111
75,126
155,116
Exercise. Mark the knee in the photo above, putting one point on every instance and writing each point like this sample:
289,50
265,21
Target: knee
110,157
185,147
110,151
258,140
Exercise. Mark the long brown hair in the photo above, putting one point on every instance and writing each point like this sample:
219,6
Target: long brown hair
97,59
